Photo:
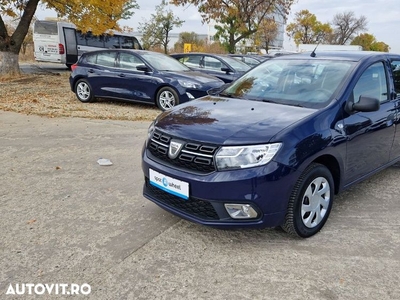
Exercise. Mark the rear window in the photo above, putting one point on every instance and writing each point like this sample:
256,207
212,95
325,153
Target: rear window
45,27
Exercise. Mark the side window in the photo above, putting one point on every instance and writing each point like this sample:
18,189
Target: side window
129,42
111,41
211,63
129,61
396,75
372,83
193,61
80,38
94,40
106,59
91,58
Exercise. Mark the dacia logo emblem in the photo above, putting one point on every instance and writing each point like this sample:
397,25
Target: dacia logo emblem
174,148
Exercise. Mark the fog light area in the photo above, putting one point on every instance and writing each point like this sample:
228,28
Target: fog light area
241,211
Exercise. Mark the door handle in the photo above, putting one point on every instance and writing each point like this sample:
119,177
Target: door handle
90,71
121,75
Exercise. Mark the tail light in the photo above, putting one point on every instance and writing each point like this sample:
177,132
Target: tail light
73,67
61,49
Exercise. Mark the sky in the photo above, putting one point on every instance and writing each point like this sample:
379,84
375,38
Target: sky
383,17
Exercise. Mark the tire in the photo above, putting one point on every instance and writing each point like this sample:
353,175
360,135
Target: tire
166,98
310,202
83,91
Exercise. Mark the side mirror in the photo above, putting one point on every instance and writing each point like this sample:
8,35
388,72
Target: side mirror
226,69
365,104
143,68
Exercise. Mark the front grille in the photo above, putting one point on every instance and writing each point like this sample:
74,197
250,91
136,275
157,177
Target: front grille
193,206
193,156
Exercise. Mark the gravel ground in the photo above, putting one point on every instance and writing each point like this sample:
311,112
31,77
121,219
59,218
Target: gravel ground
50,95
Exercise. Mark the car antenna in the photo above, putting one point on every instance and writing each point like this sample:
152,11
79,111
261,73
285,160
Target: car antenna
313,54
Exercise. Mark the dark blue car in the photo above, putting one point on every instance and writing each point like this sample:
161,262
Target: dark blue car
139,76
275,147
221,66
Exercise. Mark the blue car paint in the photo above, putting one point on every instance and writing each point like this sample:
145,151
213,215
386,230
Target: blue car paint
327,135
139,86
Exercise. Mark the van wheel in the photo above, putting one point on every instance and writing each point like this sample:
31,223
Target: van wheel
310,202
83,91
166,98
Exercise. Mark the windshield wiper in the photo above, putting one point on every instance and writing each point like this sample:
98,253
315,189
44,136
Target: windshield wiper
270,101
283,103
228,95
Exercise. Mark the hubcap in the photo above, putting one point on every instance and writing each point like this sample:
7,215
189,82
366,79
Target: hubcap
167,100
83,91
315,202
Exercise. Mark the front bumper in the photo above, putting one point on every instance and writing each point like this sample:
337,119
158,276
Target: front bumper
267,189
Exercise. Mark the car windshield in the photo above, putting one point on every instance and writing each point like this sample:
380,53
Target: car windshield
162,62
236,64
299,82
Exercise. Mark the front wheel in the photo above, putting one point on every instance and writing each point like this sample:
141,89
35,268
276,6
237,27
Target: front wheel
83,91
166,98
310,202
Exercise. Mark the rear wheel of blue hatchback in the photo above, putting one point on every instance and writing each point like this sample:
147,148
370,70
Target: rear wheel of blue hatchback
310,202
166,98
83,91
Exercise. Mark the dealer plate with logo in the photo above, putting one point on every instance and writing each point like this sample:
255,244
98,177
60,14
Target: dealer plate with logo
170,185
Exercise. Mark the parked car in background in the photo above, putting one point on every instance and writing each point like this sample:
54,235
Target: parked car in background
251,60
274,148
222,66
139,76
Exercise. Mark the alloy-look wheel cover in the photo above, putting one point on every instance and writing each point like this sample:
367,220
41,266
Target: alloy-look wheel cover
83,91
167,100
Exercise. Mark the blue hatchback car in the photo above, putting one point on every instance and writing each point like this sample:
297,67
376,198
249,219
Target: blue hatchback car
274,148
138,76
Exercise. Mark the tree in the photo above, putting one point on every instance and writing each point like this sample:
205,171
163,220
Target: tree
267,33
237,19
346,26
156,31
369,43
95,15
189,38
306,29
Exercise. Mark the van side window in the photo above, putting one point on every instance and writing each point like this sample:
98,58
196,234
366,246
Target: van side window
396,75
111,41
372,83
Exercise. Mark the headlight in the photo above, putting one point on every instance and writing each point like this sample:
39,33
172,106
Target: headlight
189,84
240,157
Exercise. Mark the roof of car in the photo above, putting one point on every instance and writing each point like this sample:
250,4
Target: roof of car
342,55
199,53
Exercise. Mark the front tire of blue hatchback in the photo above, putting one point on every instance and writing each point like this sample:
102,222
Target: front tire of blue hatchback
83,91
166,98
310,202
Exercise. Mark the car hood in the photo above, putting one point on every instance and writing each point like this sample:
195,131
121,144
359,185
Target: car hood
227,121
193,75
